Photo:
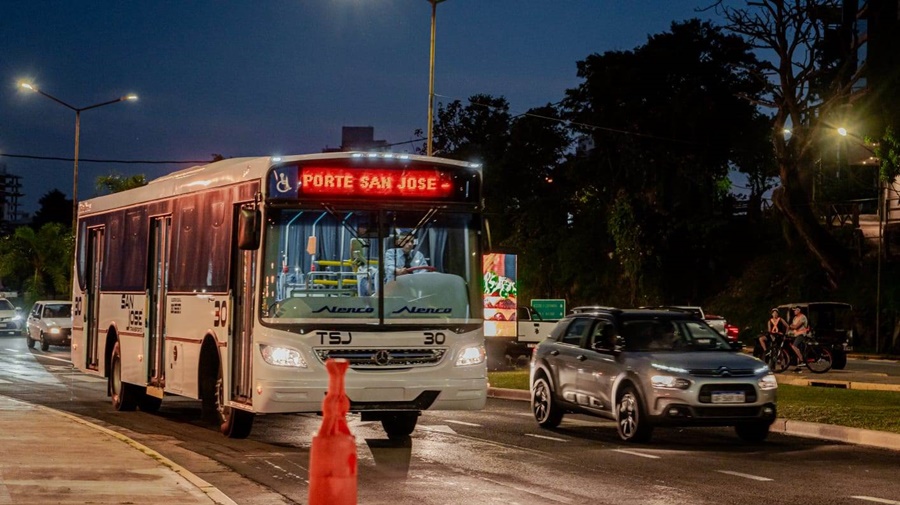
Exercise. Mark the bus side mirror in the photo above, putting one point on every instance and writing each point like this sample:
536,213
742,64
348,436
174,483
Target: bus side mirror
248,229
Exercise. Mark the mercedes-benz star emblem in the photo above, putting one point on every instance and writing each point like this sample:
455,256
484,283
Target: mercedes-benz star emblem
382,357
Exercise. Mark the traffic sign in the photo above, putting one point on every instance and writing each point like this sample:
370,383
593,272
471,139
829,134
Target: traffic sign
550,310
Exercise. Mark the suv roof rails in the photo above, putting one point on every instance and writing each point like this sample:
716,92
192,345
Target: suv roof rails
583,309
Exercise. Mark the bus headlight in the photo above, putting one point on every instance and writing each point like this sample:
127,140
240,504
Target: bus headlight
282,356
472,355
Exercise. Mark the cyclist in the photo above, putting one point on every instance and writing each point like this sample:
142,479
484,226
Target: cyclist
775,328
798,329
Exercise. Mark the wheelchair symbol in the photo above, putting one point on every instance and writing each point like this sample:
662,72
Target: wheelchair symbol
283,185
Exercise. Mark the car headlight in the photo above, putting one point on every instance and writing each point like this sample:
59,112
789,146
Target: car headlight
767,382
669,382
282,356
666,368
472,355
54,331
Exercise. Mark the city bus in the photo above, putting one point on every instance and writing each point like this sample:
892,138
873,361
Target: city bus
232,283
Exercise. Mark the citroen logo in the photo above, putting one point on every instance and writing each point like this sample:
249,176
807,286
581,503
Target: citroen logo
724,371
382,357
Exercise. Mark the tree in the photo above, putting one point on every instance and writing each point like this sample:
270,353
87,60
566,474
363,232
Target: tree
55,208
793,35
46,256
666,125
114,183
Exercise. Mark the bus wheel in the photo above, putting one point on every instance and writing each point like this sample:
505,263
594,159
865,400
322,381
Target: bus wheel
124,395
399,425
233,423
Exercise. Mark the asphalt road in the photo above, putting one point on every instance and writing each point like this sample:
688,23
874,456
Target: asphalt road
494,456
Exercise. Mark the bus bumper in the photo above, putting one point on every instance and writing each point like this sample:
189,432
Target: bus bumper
306,396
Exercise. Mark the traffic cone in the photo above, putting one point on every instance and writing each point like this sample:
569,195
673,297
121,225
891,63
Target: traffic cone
332,459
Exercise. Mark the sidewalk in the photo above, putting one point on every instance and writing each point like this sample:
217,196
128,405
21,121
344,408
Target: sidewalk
833,378
48,456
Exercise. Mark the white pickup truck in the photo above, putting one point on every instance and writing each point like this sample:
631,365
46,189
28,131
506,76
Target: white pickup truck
531,328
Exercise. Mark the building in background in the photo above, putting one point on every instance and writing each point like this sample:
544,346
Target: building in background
359,138
10,192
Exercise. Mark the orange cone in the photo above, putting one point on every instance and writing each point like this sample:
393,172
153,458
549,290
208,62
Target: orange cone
332,459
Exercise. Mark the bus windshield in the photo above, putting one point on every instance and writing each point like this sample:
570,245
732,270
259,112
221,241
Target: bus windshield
330,266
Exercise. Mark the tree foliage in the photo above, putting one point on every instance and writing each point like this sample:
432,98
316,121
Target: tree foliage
791,35
114,183
54,208
42,259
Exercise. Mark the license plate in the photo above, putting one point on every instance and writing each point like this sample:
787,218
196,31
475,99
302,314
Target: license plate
728,397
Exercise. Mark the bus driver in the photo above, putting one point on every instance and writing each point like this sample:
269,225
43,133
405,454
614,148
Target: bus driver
399,260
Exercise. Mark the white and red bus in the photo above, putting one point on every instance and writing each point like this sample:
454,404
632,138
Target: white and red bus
234,282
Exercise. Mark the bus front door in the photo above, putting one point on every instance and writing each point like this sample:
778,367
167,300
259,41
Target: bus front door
157,286
95,248
242,291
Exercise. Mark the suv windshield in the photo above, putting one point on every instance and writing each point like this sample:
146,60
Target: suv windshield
368,266
655,335
6,305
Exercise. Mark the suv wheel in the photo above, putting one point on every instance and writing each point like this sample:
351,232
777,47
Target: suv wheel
29,341
546,412
630,420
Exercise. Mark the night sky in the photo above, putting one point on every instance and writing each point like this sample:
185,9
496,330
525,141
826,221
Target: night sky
261,77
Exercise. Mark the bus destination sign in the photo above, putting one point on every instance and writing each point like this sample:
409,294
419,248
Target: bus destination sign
336,181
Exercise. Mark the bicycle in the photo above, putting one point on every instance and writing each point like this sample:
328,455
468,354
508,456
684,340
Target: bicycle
779,355
775,355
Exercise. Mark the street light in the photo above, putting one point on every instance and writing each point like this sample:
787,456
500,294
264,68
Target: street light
78,110
433,3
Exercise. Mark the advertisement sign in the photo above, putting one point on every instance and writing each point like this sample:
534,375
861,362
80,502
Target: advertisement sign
500,294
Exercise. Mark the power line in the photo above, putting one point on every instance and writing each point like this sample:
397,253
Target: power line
94,160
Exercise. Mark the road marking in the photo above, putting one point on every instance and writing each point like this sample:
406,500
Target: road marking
542,494
745,475
440,428
44,356
546,437
12,350
463,423
876,500
635,453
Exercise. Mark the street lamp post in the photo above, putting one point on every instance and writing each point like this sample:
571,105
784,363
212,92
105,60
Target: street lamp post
78,110
429,149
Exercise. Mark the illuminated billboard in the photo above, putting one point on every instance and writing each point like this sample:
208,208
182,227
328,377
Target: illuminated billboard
500,294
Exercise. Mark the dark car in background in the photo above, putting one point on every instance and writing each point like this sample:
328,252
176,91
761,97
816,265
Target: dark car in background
830,323
647,368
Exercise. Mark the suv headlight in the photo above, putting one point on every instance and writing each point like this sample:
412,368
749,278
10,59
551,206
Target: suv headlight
767,382
282,356
472,355
669,382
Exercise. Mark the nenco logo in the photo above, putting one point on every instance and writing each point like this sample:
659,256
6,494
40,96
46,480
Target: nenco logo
345,310
423,310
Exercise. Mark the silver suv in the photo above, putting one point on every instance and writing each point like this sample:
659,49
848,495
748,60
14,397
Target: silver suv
647,368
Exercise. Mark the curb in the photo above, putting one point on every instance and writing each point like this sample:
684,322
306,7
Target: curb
868,386
858,436
208,489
